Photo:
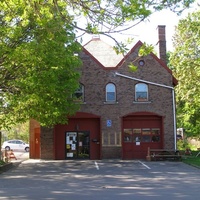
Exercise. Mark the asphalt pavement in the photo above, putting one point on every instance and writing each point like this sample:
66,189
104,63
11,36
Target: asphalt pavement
100,180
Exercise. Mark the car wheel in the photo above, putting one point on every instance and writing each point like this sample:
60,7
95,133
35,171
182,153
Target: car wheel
7,148
27,149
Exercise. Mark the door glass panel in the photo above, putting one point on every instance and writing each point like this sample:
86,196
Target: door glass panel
137,131
127,135
137,135
71,143
146,131
146,138
155,134
155,131
83,145
142,135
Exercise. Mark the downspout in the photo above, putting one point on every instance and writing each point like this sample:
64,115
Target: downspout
174,115
160,85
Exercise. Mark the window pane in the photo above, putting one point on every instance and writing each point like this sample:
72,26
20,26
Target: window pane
79,94
155,131
110,92
146,131
141,87
110,87
127,135
110,96
155,138
156,134
137,131
141,92
146,138
137,138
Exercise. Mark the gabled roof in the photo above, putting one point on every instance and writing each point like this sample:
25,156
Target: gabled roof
106,56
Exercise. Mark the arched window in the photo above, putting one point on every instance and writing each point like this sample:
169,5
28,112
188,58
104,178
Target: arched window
110,92
141,92
79,94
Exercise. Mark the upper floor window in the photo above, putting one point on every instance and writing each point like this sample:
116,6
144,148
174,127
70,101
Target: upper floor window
110,92
79,94
141,92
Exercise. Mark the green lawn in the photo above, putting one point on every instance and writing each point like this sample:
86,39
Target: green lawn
192,159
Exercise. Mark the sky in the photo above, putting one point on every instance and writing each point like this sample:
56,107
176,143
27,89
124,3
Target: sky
147,31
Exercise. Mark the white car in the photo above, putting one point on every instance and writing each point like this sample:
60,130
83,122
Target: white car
15,145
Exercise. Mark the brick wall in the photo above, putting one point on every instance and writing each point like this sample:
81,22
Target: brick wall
47,143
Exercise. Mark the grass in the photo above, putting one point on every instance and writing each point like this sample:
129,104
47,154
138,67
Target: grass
192,159
2,162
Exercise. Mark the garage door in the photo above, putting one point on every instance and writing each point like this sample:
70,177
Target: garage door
139,133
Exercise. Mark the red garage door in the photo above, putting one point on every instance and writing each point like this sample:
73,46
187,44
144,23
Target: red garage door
141,131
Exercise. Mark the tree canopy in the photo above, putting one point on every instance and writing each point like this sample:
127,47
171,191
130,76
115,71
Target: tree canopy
186,66
38,51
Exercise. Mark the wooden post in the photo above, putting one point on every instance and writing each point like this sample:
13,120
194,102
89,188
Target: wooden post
148,157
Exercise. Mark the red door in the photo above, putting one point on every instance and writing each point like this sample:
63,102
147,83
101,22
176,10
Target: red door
37,143
80,138
139,133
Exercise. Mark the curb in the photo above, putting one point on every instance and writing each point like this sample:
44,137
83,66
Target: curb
6,167
9,166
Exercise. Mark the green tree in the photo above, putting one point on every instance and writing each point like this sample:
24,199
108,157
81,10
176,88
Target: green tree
186,65
38,51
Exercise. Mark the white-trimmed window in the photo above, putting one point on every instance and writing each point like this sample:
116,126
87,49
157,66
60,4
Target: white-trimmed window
141,92
79,94
110,92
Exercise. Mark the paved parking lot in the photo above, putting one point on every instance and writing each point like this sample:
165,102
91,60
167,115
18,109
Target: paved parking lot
100,180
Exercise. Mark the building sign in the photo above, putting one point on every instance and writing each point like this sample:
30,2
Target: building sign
109,123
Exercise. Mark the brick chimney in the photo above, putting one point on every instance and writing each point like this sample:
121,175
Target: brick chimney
162,43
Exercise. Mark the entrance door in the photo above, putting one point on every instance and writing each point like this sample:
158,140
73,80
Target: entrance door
78,145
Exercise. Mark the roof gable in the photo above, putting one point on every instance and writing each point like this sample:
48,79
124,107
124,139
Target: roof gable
107,58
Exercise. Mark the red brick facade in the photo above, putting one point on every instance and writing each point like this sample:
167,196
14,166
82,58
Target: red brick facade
95,77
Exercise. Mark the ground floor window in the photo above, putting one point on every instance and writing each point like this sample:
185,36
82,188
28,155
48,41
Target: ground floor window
142,135
78,144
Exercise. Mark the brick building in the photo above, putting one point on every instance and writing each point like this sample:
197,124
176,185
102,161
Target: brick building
122,112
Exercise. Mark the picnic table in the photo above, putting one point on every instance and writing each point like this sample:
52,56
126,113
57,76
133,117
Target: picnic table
198,152
162,154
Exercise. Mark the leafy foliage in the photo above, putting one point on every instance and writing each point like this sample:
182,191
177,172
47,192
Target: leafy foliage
186,65
144,50
38,62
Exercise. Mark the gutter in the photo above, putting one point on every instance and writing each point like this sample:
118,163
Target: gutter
160,85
